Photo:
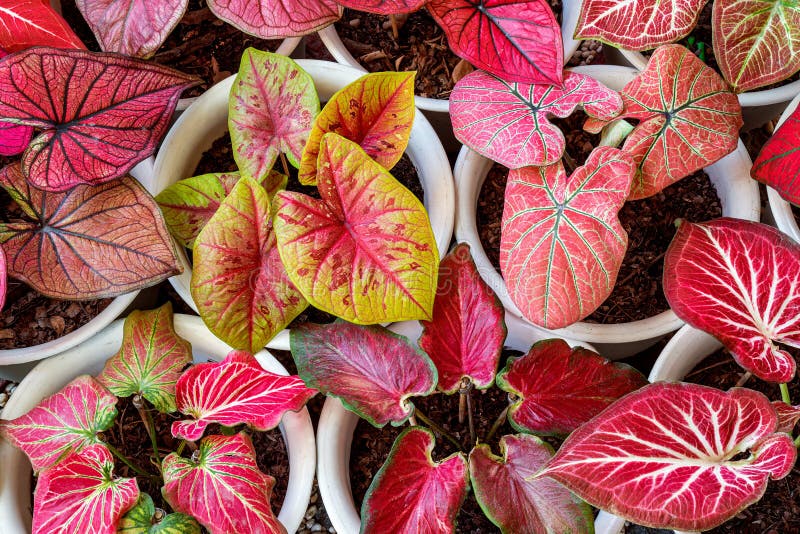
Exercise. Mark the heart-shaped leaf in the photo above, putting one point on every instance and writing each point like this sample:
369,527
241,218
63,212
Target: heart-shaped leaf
62,423
562,244
273,104
560,388
740,282
384,7
27,23
14,139
466,336
516,40
788,416
365,252
515,501
224,471
376,111
667,456
277,19
509,122
778,163
101,113
143,519
87,243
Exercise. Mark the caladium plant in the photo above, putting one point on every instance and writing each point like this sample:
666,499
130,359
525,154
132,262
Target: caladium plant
27,23
778,163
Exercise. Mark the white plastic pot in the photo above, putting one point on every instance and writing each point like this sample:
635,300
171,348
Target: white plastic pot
782,210
51,375
731,176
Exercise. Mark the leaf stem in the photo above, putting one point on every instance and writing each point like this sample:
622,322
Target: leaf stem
797,442
127,462
785,397
438,429
496,425
469,417
284,164
147,420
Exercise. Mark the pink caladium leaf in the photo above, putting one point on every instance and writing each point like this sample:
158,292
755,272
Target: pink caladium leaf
27,23
686,438
62,423
101,113
222,471
738,281
515,501
465,337
384,7
788,416
411,492
778,163
277,19
14,139
81,494
508,122
87,243
142,519
562,244
373,371
516,40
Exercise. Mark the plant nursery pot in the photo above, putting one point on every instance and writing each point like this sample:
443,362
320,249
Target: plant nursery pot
731,177
782,210
89,357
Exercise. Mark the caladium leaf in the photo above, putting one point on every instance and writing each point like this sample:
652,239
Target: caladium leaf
144,519
101,113
14,139
384,7
277,19
273,104
376,111
778,163
562,244
684,437
365,252
788,416
508,122
373,371
87,243
27,23
223,487
62,423
738,281
560,388
515,501
516,40
465,338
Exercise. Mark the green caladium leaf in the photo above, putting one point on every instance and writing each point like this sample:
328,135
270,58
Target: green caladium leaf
143,518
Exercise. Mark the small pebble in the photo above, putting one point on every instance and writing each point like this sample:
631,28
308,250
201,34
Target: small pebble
3,399
355,23
316,528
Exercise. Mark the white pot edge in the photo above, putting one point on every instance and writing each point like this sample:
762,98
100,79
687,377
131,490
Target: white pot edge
782,210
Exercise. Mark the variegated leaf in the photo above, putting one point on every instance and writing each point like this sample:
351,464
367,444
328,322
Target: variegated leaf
145,519
277,19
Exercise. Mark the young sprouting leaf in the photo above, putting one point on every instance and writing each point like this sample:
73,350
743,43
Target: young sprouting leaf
778,163
465,337
273,104
365,252
277,19
89,242
142,519
411,492
739,281
224,471
384,7
562,244
101,113
686,439
373,371
376,111
27,23
14,139
560,388
516,40
788,416
515,501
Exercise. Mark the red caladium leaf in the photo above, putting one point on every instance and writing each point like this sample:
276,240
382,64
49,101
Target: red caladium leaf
365,252
142,519
277,19
384,7
738,281
373,371
778,163
81,494
515,501
27,23
90,242
516,40
508,122
62,423
222,486
14,139
465,338
686,438
562,244
101,113
787,416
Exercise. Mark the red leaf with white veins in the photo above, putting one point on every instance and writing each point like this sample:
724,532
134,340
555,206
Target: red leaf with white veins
277,19
666,456
27,23
787,416
778,163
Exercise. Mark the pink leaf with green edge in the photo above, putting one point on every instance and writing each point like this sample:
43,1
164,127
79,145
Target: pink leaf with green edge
150,360
559,388
411,492
465,338
89,242
738,281
509,122
234,391
81,494
376,111
14,139
27,23
142,519
562,244
515,501
277,19
667,456
778,163
223,488
239,284
384,7
788,416
516,40
273,104
62,423
101,113
365,252
373,371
